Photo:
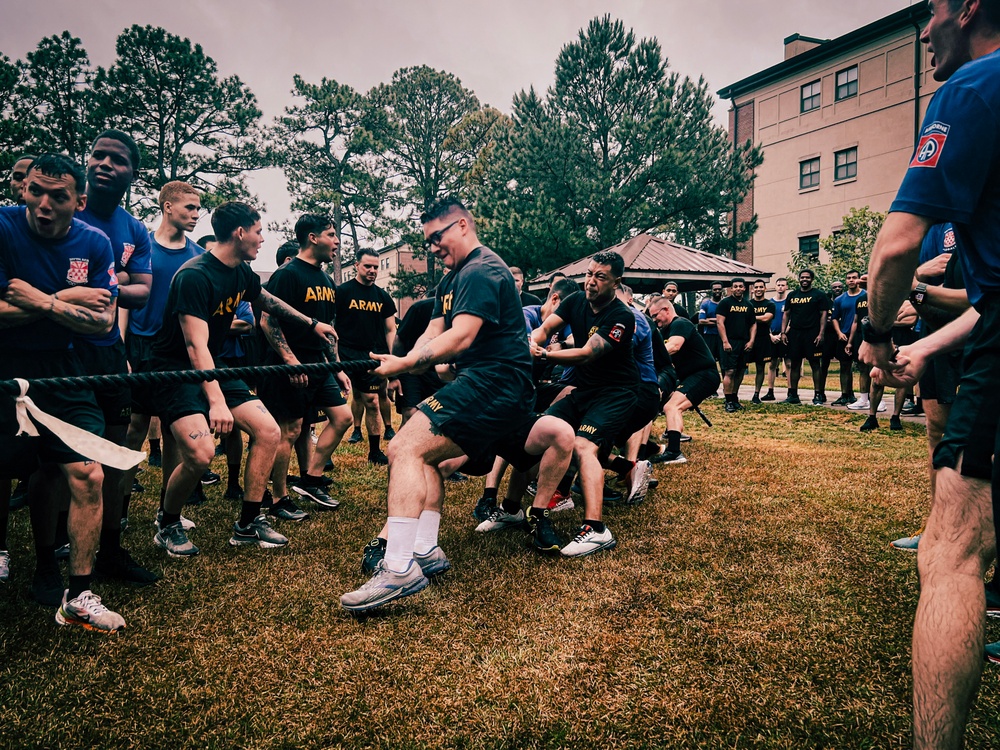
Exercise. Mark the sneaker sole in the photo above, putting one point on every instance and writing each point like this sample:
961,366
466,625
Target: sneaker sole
410,590
563,506
287,517
500,527
638,493
178,555
63,620
234,542
305,493
901,548
607,545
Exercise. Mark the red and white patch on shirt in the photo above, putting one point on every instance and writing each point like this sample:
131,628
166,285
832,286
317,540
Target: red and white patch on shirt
127,250
931,144
113,274
616,333
79,271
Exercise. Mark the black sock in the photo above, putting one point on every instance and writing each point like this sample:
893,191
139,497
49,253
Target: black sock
154,447
248,513
233,479
566,483
597,526
621,466
673,441
373,444
490,492
511,505
77,585
169,518
111,540
45,558
770,391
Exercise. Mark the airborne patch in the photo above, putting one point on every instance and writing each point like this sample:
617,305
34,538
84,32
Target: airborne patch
931,144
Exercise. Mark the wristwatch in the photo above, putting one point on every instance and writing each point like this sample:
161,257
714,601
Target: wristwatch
919,294
870,336
313,323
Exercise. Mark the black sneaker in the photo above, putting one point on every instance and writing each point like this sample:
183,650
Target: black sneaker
233,493
121,566
668,457
731,407
317,493
895,423
197,497
870,424
155,459
543,534
137,489
356,436
372,555
769,396
793,400
819,399
684,438
653,483
843,401
458,477
286,510
389,434
209,478
47,588
755,399
378,458
484,506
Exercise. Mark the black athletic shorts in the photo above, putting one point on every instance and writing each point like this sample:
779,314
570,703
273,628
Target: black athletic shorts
115,401
597,414
700,385
778,351
646,409
830,341
510,448
843,357
971,432
762,348
362,381
288,403
714,344
174,401
802,345
139,351
736,358
77,407
416,388
478,408
940,380
666,379
903,335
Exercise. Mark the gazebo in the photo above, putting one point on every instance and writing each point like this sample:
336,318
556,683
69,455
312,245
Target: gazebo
650,262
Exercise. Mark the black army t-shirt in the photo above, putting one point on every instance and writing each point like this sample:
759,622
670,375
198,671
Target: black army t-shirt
361,314
414,324
484,287
309,289
740,318
208,289
804,310
694,355
614,323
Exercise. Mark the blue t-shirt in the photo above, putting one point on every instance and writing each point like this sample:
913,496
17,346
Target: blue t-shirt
844,308
130,245
642,348
959,181
779,314
82,258
165,261
707,310
232,347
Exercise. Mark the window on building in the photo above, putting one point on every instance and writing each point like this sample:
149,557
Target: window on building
847,83
809,246
845,164
811,96
809,173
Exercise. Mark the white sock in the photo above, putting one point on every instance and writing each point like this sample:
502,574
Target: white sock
400,537
427,531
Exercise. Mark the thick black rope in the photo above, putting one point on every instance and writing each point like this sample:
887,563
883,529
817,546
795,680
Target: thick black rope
166,377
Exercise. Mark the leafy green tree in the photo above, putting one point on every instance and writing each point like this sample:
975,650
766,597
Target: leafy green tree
326,144
56,96
14,133
190,123
618,146
848,248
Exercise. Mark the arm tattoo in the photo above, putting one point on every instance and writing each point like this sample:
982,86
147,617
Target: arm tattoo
599,345
425,357
200,434
276,337
280,309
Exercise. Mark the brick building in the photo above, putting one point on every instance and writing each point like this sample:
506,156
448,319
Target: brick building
837,120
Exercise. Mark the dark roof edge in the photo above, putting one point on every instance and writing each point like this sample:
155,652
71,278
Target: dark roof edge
804,38
882,27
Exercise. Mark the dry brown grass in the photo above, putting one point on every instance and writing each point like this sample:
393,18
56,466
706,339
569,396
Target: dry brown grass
752,602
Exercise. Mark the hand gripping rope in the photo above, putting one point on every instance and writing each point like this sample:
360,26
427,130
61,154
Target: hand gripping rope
107,453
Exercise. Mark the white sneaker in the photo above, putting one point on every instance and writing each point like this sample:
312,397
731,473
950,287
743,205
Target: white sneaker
500,519
385,586
86,611
186,523
587,542
433,562
881,406
640,482
862,404
4,565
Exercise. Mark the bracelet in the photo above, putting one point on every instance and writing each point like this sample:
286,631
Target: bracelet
313,323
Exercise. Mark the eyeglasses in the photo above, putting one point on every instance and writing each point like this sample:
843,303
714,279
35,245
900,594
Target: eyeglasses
435,239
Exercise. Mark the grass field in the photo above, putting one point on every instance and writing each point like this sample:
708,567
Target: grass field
752,602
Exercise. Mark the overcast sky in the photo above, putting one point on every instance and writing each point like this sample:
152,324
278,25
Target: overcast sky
496,48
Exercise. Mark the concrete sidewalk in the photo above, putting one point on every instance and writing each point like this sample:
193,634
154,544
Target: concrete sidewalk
806,396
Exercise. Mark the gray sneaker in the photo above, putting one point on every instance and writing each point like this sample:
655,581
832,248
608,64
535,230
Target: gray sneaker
588,541
433,562
385,586
640,482
500,519
174,540
86,611
4,565
258,533
187,523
